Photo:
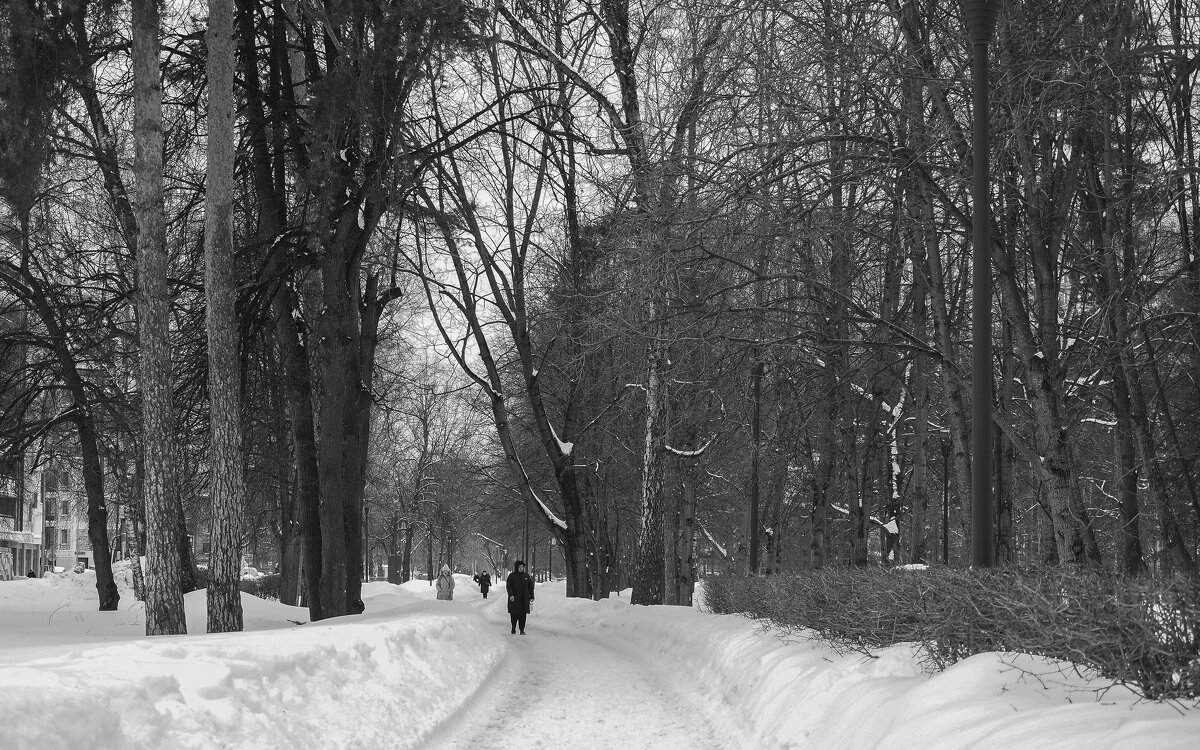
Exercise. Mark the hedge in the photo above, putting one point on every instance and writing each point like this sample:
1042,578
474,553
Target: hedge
1135,632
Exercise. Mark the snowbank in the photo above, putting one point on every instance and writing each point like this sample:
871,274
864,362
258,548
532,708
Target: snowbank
412,666
384,679
801,694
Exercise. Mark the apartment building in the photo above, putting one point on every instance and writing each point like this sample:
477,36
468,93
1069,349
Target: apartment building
65,529
20,523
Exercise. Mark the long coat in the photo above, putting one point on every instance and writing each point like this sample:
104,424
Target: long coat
445,586
520,592
485,581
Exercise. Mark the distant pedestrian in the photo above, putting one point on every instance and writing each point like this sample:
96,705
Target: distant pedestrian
31,574
484,580
445,584
520,596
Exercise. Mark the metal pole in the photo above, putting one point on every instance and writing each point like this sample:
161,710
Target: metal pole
980,18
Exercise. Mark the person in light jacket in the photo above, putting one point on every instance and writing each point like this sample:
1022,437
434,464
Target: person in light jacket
445,584
520,595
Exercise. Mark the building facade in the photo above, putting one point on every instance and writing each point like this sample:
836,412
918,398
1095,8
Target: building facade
20,523
64,531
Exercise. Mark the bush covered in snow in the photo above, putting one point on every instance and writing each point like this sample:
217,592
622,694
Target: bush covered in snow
262,585
266,586
1139,633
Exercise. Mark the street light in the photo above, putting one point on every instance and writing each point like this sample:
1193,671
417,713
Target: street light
979,16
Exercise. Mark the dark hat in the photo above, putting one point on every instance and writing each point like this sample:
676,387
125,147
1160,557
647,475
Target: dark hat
518,564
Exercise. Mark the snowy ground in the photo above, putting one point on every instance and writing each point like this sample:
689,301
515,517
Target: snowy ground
416,672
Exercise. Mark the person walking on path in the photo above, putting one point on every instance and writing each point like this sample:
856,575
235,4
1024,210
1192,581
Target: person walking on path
484,580
445,584
520,595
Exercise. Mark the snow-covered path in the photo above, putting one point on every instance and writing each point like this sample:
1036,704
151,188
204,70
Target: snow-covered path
558,687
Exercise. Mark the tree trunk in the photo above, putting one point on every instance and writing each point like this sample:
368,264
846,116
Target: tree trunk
135,559
293,354
164,599
406,569
648,584
291,544
918,491
227,481
1004,459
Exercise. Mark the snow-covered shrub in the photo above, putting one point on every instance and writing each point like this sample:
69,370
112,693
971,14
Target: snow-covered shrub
264,587
1137,632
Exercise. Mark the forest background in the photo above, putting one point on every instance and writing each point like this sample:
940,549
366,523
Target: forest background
682,286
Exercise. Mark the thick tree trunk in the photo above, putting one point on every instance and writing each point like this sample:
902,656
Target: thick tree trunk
291,543
293,354
227,481
822,485
406,568
164,598
93,482
648,581
1126,477
956,412
1177,555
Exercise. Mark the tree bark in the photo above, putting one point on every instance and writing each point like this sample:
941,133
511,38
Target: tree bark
227,481
164,598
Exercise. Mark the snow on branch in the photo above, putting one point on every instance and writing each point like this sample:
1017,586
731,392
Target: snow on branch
691,454
563,446
714,542
486,539
874,519
549,513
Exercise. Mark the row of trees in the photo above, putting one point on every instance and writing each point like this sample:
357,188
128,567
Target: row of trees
704,263
745,228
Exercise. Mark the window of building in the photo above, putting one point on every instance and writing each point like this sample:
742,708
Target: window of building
66,509
64,539
8,506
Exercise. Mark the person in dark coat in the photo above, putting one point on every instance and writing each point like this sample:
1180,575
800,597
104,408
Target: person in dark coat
484,580
520,595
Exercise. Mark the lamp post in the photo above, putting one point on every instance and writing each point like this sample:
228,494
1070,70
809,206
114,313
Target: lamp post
979,16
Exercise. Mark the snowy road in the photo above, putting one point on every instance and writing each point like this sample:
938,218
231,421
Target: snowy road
564,686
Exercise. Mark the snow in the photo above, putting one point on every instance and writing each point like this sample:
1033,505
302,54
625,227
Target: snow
713,541
563,446
546,509
416,672
690,453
